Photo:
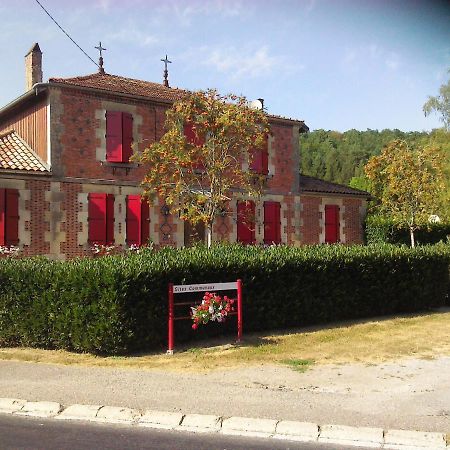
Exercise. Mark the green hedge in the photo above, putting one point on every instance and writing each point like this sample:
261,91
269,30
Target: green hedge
114,304
380,230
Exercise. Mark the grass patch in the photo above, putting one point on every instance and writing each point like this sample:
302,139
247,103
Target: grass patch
299,365
370,342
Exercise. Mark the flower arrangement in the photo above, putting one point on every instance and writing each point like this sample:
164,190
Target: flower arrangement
102,250
213,307
9,252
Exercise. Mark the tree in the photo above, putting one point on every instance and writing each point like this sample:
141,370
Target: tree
440,104
408,182
209,144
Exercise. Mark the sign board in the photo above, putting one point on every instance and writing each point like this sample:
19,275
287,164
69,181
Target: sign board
206,287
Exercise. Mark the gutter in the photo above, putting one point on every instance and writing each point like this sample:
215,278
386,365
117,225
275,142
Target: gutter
33,92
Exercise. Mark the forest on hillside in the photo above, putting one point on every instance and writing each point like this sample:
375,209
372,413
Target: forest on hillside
339,157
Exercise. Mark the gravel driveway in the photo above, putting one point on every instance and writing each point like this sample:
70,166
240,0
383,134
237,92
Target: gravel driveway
406,394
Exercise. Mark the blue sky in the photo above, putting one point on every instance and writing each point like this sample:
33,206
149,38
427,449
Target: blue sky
337,64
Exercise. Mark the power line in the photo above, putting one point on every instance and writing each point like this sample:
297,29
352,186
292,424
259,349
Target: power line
62,29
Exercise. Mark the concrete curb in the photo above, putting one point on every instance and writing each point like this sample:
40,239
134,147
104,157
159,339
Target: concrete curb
236,426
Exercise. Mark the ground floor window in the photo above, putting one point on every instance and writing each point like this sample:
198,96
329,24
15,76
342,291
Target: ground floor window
101,218
246,222
9,217
138,220
332,224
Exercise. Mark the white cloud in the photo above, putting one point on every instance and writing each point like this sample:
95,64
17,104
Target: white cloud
103,5
392,61
238,63
186,12
131,34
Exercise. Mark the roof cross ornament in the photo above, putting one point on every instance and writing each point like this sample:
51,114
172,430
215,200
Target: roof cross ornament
100,59
166,72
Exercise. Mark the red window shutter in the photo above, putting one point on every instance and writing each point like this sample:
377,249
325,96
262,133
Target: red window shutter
191,136
265,157
127,136
134,218
2,215
114,136
260,159
257,160
246,222
109,218
97,218
145,219
272,223
331,224
12,217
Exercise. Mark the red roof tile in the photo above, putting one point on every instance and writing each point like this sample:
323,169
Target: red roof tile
15,154
130,86
312,184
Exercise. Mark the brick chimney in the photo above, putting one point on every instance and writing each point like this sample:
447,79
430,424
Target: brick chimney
33,67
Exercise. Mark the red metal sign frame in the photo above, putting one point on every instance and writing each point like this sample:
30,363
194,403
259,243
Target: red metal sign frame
182,289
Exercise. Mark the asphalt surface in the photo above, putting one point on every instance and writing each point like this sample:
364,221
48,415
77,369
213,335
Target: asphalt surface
39,434
408,394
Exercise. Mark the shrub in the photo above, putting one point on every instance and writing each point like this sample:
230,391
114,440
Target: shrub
118,304
382,230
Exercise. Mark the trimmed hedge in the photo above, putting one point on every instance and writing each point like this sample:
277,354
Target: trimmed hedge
382,230
118,304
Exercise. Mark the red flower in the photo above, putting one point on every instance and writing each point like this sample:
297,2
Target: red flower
194,326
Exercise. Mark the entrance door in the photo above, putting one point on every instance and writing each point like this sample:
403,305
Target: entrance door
193,234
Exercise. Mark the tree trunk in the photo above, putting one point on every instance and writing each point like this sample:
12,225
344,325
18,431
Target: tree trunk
209,234
411,235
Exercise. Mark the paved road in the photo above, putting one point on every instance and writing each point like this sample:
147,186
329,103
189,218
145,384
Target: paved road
17,433
408,394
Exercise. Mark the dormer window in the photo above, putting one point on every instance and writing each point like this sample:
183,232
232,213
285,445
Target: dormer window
119,136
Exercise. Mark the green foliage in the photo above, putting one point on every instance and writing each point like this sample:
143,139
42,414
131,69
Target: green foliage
383,230
440,104
408,182
338,157
116,304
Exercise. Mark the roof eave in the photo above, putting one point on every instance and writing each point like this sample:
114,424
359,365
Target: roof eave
348,194
33,92
108,92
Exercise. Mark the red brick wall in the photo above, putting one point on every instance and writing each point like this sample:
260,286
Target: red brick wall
282,158
79,137
38,225
310,216
71,206
353,229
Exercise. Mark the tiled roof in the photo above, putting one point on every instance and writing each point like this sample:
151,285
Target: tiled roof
15,154
312,184
130,86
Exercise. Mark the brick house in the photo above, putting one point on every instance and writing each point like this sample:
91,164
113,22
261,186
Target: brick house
66,181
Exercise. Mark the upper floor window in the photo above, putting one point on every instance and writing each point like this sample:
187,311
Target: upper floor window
119,136
9,217
260,159
101,218
193,138
332,225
